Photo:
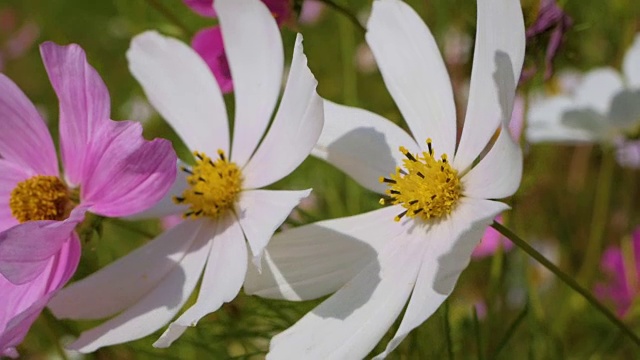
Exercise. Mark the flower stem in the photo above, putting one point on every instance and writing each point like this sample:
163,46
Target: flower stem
170,16
598,220
344,11
566,279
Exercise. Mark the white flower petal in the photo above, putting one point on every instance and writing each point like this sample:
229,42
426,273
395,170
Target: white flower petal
597,89
351,322
362,144
261,212
413,70
253,46
295,129
128,279
180,85
317,259
631,64
499,173
497,61
166,206
222,279
156,308
449,247
545,122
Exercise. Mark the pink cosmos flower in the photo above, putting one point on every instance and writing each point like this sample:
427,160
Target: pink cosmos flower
208,42
109,169
620,289
491,241
19,39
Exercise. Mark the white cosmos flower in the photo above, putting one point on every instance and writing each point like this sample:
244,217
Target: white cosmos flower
604,107
220,195
377,264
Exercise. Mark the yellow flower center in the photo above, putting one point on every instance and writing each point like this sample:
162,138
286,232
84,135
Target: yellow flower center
213,186
40,198
425,187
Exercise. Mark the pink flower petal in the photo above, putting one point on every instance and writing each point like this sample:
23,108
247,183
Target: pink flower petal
120,172
491,241
129,174
26,249
282,10
24,137
84,105
20,305
208,44
202,7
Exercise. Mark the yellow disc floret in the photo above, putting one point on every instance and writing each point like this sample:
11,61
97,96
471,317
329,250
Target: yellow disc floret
40,198
425,187
213,186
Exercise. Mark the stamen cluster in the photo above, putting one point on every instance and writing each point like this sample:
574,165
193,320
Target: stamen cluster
40,198
426,187
213,186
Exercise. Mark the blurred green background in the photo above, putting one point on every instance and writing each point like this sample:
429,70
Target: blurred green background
571,196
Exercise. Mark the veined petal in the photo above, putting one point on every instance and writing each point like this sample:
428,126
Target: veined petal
167,206
24,137
449,245
26,249
362,144
314,260
156,308
546,122
351,322
223,276
261,212
631,63
254,48
124,282
128,174
413,70
597,90
20,305
181,87
497,62
295,129
499,173
85,105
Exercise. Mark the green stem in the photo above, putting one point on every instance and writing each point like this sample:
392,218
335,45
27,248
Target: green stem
447,331
170,16
566,279
344,11
511,331
598,220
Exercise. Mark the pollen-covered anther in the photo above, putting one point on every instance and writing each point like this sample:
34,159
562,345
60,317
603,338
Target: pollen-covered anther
425,186
40,197
214,186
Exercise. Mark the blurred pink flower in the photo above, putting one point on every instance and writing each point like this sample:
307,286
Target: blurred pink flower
628,153
109,170
311,12
491,241
18,39
209,44
618,288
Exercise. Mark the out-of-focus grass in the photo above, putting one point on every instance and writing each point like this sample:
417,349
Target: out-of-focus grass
528,312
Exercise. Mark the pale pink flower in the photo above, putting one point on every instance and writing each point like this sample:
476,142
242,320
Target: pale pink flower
491,241
109,169
619,288
19,38
208,41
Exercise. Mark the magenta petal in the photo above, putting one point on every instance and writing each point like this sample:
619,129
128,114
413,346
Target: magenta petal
208,44
26,249
24,137
491,241
129,174
282,10
202,7
84,105
20,305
